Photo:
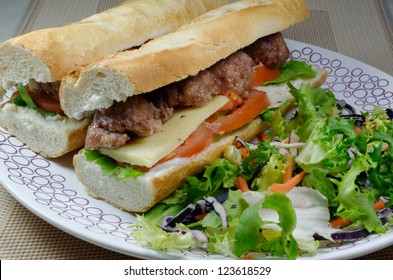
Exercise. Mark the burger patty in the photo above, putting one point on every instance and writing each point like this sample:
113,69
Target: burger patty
49,90
143,115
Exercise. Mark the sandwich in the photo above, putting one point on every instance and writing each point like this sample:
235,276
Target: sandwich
37,62
166,110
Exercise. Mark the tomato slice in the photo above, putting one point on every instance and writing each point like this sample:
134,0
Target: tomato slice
263,74
201,138
46,103
252,107
196,142
234,100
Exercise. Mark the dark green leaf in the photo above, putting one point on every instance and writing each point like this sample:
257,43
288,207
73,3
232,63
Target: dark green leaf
293,69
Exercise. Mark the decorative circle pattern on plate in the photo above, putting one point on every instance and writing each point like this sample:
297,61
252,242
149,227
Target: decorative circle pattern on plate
25,168
50,189
362,87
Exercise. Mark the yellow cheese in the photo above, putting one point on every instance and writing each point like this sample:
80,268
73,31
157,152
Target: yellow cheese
147,151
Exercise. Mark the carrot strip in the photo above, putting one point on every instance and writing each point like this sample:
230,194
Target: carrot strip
262,136
248,256
200,217
340,222
358,130
379,205
286,141
331,111
244,152
241,184
288,185
289,168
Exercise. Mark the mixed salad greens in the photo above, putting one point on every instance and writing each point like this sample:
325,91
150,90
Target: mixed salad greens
323,173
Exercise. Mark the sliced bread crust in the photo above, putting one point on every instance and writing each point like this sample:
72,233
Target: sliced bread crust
175,56
47,55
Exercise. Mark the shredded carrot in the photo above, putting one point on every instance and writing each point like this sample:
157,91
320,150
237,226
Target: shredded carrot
244,152
340,222
200,217
241,184
331,111
262,136
288,185
289,168
248,256
379,205
358,130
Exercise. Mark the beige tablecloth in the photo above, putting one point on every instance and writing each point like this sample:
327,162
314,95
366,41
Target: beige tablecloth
356,28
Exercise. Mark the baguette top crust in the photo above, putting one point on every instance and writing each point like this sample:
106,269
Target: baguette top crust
172,57
47,55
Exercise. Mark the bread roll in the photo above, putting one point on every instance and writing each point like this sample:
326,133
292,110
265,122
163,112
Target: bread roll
177,55
47,55
140,193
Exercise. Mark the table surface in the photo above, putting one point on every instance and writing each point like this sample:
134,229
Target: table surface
357,28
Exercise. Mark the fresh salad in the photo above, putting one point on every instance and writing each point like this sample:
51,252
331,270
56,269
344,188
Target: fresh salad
322,174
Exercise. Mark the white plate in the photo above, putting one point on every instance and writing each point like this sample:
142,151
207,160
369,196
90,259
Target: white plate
49,188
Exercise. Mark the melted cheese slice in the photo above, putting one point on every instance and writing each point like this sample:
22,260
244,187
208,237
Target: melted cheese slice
147,151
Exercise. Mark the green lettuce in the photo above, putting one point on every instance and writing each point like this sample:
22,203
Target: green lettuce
318,180
357,204
259,157
293,69
221,173
272,172
110,167
250,235
148,233
325,150
313,104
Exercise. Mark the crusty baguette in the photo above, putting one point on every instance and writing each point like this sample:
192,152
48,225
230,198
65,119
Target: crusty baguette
47,55
140,193
177,55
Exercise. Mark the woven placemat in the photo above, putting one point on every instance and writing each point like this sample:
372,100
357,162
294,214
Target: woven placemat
358,29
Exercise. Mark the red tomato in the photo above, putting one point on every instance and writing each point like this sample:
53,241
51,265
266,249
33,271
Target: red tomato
263,74
203,136
46,103
194,144
252,107
234,100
